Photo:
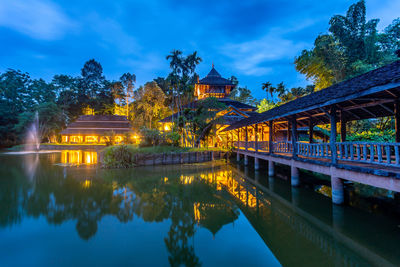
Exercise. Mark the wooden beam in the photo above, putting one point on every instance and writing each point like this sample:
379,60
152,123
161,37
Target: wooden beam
256,137
271,130
293,122
247,138
391,93
342,127
397,121
365,105
387,109
311,131
332,140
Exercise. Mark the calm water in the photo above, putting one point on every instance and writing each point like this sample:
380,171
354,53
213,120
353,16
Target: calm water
59,209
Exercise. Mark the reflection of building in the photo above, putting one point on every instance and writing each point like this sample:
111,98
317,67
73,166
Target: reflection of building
95,129
78,157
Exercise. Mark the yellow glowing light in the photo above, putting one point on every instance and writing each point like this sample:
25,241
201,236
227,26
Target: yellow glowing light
87,183
78,157
76,139
167,127
118,138
91,139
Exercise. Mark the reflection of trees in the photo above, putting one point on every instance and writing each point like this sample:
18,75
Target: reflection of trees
152,196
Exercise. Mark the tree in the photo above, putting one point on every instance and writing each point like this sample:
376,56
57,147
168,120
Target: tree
267,87
265,105
149,105
51,120
182,78
94,90
351,47
14,99
241,94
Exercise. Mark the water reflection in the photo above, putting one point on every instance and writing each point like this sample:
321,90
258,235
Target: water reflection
78,157
298,228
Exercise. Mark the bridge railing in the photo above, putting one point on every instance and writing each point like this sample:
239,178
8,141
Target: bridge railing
321,150
282,147
387,154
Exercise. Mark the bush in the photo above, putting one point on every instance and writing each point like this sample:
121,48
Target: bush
153,137
118,157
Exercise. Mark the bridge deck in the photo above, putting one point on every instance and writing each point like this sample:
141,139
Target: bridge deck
388,171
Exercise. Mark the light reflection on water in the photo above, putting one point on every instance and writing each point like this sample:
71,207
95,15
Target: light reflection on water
78,157
186,215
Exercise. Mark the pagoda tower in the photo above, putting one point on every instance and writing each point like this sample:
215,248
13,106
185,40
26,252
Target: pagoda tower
213,85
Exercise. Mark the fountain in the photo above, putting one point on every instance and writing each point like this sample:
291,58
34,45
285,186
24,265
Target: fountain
32,140
33,137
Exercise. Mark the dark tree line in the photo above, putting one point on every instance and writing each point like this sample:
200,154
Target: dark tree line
58,102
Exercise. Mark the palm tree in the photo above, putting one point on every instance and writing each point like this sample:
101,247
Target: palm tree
176,61
267,87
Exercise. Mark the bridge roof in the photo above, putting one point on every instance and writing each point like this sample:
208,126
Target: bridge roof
370,95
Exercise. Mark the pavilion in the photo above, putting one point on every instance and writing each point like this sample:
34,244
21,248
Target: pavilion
371,95
97,129
214,85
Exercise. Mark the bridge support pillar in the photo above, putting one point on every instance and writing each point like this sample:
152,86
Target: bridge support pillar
256,164
271,169
271,183
337,217
246,160
237,156
337,190
257,176
295,180
295,196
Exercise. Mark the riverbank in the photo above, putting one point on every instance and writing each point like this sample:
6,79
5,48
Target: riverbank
127,156
59,147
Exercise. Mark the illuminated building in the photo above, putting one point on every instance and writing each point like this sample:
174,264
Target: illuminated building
98,129
214,85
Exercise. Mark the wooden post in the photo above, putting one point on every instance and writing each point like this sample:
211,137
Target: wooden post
343,131
247,138
288,131
397,120
294,136
256,137
271,129
332,139
262,132
311,131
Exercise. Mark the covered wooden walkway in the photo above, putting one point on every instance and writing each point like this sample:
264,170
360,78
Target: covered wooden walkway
369,96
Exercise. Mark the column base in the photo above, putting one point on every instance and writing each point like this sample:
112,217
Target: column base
271,168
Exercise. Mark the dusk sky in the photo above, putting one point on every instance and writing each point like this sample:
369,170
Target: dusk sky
254,40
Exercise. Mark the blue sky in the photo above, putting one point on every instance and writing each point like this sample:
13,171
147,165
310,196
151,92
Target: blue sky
254,40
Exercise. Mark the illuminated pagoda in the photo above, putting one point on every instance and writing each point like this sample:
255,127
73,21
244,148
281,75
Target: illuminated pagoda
214,85
97,129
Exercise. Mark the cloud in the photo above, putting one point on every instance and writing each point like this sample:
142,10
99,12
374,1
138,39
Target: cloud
111,35
38,19
251,57
385,10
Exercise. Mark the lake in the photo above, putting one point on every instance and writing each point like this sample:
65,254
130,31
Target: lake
60,209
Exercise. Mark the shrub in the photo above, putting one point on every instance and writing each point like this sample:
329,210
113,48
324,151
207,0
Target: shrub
120,156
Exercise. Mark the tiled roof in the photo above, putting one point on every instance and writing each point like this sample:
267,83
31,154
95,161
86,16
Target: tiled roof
98,125
332,95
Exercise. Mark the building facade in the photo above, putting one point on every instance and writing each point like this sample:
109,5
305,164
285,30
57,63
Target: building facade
98,129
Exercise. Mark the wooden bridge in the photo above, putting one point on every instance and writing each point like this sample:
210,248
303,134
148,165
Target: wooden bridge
369,96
